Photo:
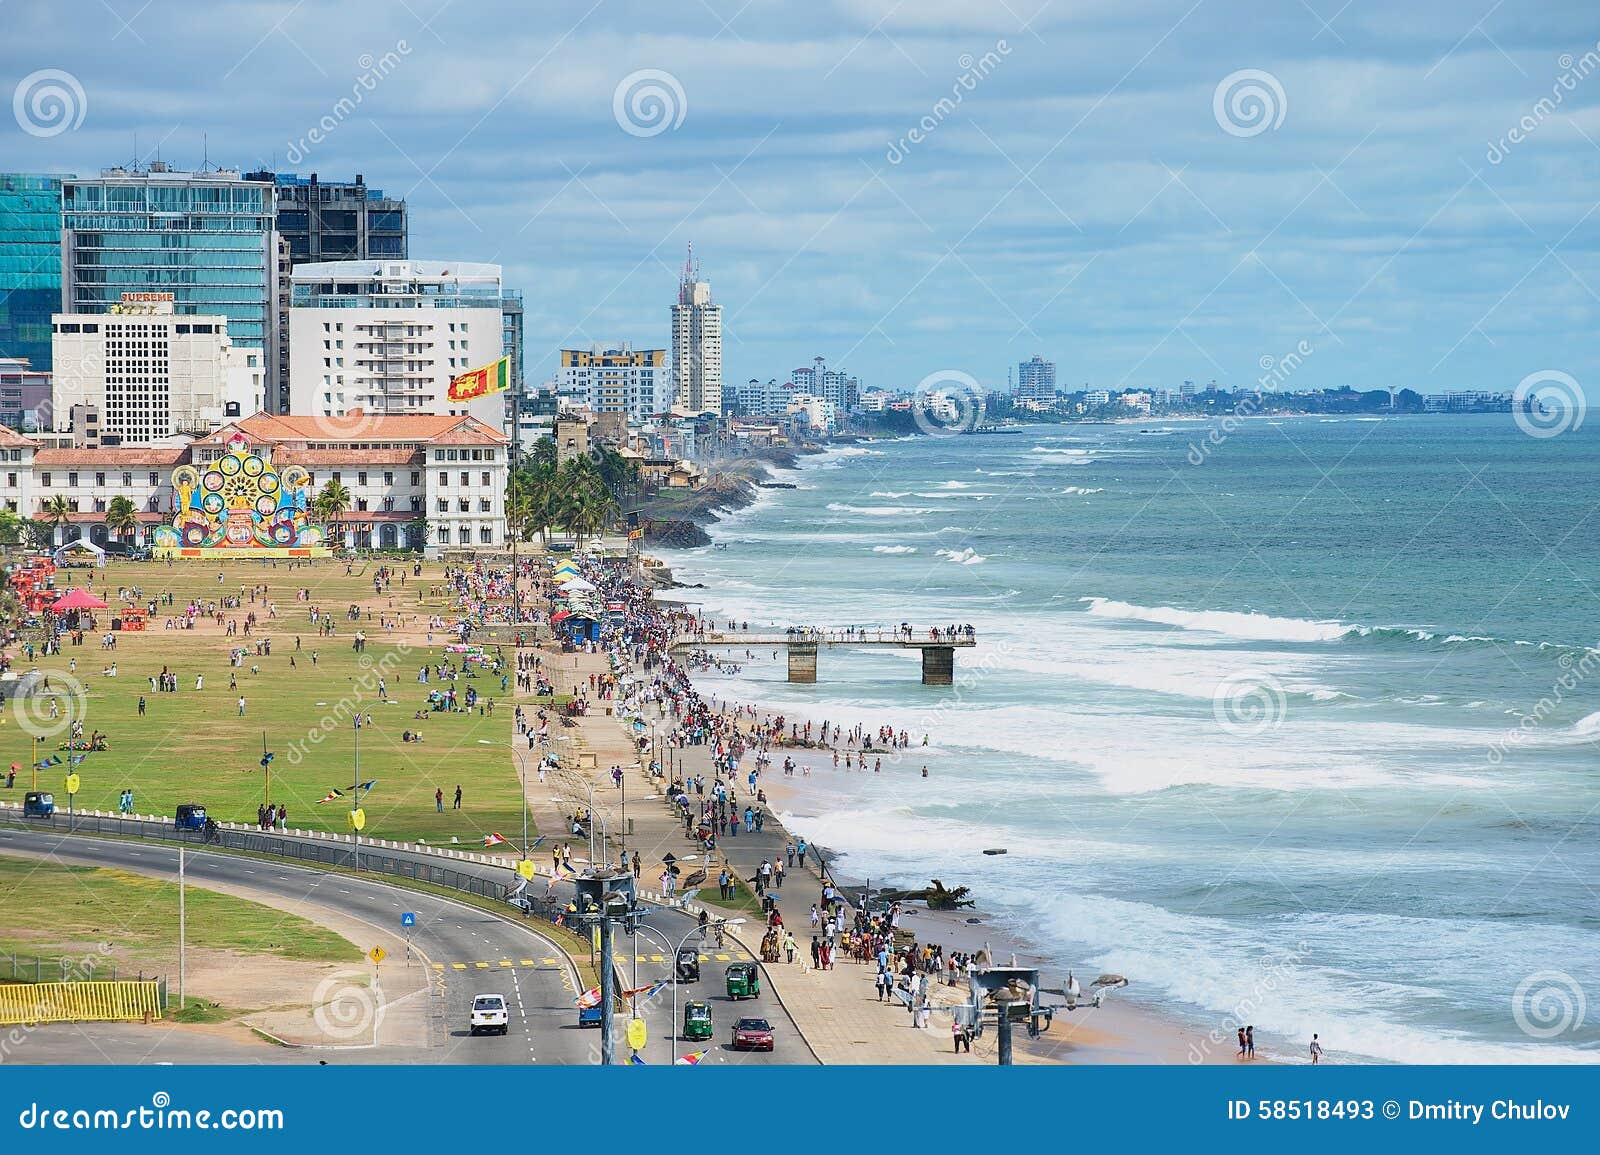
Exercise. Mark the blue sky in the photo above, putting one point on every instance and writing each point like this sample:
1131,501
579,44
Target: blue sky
1095,195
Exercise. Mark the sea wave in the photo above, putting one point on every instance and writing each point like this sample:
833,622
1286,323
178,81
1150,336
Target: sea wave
1080,490
1253,627
968,556
894,549
879,510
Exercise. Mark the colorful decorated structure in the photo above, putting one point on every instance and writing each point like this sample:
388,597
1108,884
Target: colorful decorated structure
240,506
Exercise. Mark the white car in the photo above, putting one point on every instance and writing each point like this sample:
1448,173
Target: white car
489,1014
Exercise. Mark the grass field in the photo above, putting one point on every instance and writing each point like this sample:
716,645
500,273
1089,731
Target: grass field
192,745
79,911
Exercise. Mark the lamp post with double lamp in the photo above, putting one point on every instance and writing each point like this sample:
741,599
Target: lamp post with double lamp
672,961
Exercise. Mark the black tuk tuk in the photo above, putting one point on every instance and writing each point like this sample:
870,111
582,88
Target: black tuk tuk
687,965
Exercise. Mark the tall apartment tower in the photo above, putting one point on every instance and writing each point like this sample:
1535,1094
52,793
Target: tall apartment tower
207,238
696,346
1036,380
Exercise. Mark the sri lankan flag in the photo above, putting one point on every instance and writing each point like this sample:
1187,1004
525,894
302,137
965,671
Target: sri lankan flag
492,378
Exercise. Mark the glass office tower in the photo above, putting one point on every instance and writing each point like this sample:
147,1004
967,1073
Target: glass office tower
206,238
30,264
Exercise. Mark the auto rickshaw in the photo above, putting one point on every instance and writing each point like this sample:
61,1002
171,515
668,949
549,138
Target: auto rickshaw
190,816
744,981
38,804
697,1021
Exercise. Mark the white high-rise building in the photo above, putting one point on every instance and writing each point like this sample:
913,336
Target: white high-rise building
696,347
386,337
150,373
616,379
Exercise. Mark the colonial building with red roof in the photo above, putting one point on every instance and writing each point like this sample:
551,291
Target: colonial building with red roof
435,483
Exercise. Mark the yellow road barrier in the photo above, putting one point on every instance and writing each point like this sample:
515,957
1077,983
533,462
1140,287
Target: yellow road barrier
79,1002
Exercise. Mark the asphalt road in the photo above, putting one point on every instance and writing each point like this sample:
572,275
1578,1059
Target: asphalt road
468,951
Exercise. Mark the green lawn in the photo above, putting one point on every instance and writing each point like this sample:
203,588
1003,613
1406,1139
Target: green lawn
56,911
192,746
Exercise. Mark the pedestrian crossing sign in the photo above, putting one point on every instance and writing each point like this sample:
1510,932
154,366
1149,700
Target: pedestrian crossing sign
377,954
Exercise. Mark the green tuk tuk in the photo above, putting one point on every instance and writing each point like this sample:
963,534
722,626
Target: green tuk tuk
697,1021
744,981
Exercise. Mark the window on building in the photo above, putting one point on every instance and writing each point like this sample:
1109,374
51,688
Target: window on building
44,480
127,480
464,536
463,504
361,505
416,505
361,478
99,479
388,478
444,478
486,535
465,481
444,506
416,477
72,480
444,536
483,505
155,478
486,481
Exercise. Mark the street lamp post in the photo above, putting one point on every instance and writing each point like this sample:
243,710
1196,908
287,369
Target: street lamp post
672,962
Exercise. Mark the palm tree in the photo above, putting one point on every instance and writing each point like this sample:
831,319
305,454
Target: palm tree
57,512
122,519
417,532
332,501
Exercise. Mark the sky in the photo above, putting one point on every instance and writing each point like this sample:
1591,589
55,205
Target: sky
1143,192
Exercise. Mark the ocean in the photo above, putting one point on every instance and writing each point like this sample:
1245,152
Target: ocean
1296,729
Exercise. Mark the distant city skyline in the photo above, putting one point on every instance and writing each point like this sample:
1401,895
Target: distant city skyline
1143,196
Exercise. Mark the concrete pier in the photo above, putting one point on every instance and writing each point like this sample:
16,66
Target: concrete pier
802,661
802,645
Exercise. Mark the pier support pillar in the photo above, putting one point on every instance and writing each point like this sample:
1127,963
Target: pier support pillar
803,662
938,665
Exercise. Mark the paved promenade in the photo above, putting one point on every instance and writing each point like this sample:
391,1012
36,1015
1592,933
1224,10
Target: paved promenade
837,1010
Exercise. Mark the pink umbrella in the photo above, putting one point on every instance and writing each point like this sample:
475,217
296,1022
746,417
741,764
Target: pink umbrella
77,600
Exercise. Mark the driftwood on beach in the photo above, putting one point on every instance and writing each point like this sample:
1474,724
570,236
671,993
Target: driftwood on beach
936,896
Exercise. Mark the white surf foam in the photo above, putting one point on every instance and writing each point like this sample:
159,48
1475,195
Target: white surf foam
1253,627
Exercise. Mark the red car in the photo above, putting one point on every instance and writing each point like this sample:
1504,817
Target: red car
752,1035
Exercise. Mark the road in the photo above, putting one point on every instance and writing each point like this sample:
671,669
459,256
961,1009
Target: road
468,950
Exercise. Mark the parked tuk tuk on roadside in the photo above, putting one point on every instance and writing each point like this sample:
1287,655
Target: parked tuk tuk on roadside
38,804
744,981
697,1021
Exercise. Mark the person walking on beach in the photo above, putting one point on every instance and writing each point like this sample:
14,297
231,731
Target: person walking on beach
1241,1043
1316,1051
962,1039
816,953
1249,1042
